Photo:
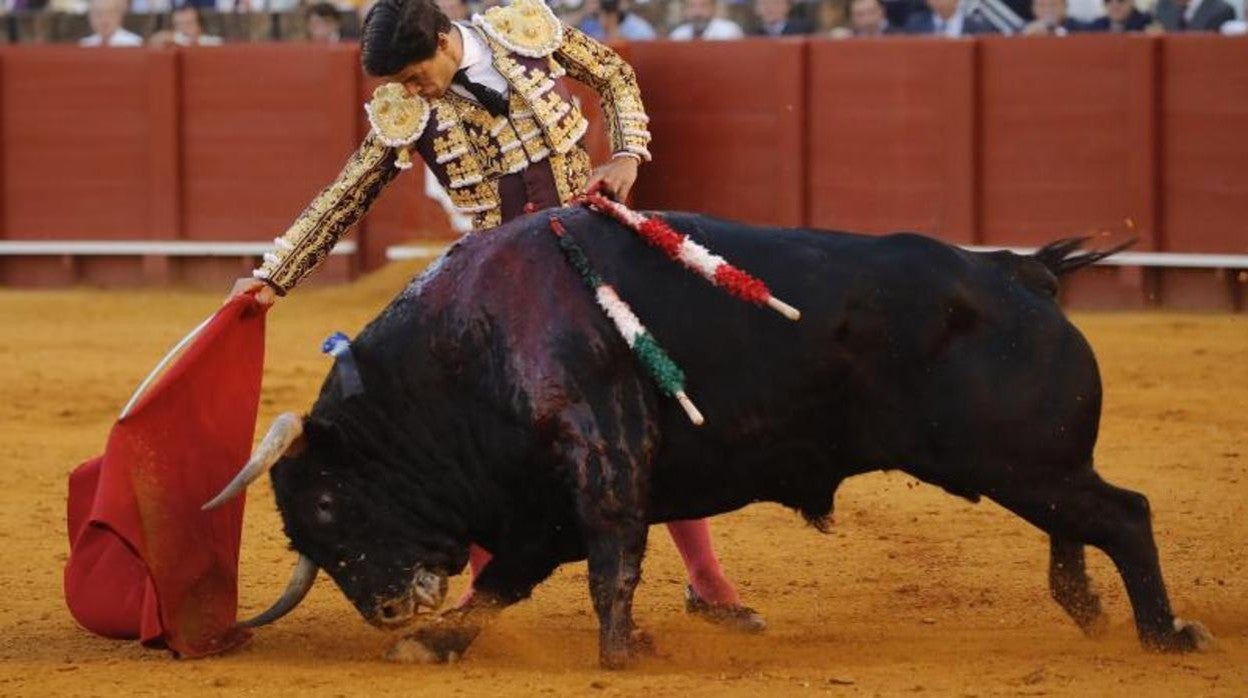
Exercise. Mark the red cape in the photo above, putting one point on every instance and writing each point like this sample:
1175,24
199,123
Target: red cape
144,561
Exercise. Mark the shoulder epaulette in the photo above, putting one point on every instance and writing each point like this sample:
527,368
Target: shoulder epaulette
527,27
397,119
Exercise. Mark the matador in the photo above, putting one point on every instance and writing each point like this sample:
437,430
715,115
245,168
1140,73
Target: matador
483,105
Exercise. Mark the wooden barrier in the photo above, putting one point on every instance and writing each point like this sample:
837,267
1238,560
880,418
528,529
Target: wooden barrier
728,120
892,130
990,141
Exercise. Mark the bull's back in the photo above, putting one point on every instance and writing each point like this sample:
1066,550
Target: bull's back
905,344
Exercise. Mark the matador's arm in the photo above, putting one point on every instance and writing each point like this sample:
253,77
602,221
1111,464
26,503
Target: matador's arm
596,65
338,207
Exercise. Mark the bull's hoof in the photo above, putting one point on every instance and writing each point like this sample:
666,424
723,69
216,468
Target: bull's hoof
1096,626
641,643
1187,636
411,650
622,653
434,644
614,660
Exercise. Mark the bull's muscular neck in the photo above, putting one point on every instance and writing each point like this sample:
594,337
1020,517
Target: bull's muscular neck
428,431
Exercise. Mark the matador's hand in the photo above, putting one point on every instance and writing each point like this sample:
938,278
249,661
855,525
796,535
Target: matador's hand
617,177
265,295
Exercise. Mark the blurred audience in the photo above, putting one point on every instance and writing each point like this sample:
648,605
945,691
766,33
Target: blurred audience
1051,20
1193,15
455,10
702,22
105,18
866,19
620,20
610,20
187,30
776,18
1121,16
324,24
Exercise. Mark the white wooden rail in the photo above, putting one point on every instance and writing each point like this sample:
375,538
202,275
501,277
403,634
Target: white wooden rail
193,248
130,248
396,253
1176,260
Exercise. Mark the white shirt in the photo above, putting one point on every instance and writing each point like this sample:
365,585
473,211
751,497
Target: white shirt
480,64
718,29
121,37
1190,13
1085,10
951,27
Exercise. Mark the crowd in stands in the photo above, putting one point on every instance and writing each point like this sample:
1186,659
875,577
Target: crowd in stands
214,22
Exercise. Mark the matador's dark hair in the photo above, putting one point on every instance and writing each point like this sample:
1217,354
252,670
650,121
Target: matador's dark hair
399,32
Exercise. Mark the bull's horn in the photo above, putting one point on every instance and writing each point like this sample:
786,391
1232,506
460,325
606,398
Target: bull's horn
300,584
286,428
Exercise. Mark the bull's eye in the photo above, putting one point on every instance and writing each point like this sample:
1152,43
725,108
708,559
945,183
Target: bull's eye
325,508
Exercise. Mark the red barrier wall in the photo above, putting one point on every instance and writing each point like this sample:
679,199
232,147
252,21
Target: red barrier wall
264,128
728,120
891,145
1066,138
89,149
1204,154
996,141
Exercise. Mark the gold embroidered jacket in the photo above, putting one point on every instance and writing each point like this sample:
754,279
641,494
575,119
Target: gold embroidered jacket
466,147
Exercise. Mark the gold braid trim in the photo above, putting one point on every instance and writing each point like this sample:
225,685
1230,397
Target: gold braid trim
338,207
613,79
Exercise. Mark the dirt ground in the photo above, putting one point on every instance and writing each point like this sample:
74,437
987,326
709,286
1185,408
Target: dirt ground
914,592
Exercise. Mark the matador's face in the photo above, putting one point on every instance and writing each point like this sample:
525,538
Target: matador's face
431,78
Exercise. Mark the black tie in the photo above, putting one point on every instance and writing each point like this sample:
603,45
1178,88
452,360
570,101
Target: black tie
493,101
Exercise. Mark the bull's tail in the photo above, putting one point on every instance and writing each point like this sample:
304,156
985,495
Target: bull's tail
1059,258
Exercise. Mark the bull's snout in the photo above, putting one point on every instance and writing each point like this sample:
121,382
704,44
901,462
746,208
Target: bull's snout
396,612
427,589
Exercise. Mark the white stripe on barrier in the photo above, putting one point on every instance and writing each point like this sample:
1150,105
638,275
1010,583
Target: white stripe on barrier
122,248
396,253
1147,259
186,248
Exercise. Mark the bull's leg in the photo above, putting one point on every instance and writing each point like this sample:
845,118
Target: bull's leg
1071,588
1086,509
614,570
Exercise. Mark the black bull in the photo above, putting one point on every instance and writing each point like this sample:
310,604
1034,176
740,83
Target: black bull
501,406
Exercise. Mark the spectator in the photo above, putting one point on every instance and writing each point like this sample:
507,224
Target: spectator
158,6
324,24
610,20
701,22
775,18
1193,15
1051,19
866,19
455,10
948,18
105,17
898,11
188,30
831,16
1121,16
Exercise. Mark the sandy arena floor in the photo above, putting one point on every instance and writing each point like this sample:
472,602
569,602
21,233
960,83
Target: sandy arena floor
915,592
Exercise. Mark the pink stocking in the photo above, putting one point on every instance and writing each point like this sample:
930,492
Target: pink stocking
693,540
478,558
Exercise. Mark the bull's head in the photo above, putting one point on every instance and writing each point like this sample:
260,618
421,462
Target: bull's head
342,518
